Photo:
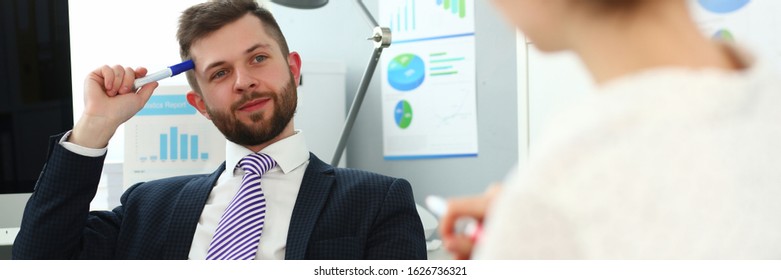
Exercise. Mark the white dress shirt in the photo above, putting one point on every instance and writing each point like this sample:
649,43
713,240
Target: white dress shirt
280,186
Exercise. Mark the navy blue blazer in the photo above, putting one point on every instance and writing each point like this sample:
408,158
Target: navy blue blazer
339,214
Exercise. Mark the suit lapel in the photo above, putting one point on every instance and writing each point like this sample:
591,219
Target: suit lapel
315,187
186,212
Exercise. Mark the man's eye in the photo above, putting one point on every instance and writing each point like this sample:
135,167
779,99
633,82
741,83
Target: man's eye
218,74
260,58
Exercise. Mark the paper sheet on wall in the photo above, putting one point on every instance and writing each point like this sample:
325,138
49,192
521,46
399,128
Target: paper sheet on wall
170,138
752,24
428,79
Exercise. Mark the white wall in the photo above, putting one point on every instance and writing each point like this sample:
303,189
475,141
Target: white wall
522,91
129,33
556,81
547,84
143,33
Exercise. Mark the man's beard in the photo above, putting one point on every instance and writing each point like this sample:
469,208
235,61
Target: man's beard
261,130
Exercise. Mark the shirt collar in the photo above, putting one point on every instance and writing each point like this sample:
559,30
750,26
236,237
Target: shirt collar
289,153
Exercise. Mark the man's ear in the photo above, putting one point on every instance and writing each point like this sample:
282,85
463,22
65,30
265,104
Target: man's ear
196,101
294,62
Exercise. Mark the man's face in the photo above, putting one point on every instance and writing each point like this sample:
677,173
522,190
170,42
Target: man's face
248,86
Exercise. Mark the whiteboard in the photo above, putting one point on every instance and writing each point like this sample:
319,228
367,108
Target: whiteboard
557,81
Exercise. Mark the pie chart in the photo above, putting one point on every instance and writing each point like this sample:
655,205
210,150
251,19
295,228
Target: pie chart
403,114
724,36
722,6
406,72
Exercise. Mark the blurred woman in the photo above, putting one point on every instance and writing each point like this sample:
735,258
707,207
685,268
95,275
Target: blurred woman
676,155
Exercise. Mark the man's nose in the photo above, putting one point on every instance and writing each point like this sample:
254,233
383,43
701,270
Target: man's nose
245,81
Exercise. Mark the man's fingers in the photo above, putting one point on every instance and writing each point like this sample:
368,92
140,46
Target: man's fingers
127,82
146,91
119,73
140,72
108,78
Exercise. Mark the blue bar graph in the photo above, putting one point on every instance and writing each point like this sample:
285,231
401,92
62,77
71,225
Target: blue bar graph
414,16
456,7
174,136
176,146
163,146
183,143
194,147
405,18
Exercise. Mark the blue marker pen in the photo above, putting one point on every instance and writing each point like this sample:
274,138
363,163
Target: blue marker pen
171,71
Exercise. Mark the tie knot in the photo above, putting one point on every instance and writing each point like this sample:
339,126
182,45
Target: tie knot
257,163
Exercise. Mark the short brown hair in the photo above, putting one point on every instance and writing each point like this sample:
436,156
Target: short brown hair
612,6
202,19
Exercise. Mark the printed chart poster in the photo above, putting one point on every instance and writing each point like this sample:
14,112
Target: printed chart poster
170,138
752,24
428,79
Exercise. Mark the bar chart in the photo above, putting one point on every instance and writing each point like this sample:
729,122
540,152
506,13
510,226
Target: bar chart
443,63
404,18
429,107
175,146
456,7
170,138
421,20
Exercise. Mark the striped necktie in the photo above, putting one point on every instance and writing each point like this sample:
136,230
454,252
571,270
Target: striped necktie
238,232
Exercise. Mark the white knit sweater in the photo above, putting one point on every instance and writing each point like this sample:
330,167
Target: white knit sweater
663,164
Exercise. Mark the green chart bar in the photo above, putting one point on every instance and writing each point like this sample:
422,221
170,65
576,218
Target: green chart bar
444,73
454,6
447,60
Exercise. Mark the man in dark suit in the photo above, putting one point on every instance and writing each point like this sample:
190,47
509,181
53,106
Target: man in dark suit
245,82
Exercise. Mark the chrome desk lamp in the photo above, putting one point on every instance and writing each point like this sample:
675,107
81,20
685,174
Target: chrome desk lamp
382,39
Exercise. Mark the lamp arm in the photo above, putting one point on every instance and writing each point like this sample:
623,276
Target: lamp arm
356,106
381,39
367,14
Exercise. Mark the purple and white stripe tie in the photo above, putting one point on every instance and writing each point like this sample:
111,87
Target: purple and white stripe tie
238,232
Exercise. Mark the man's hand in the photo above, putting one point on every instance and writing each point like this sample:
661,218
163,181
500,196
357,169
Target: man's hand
475,206
109,101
